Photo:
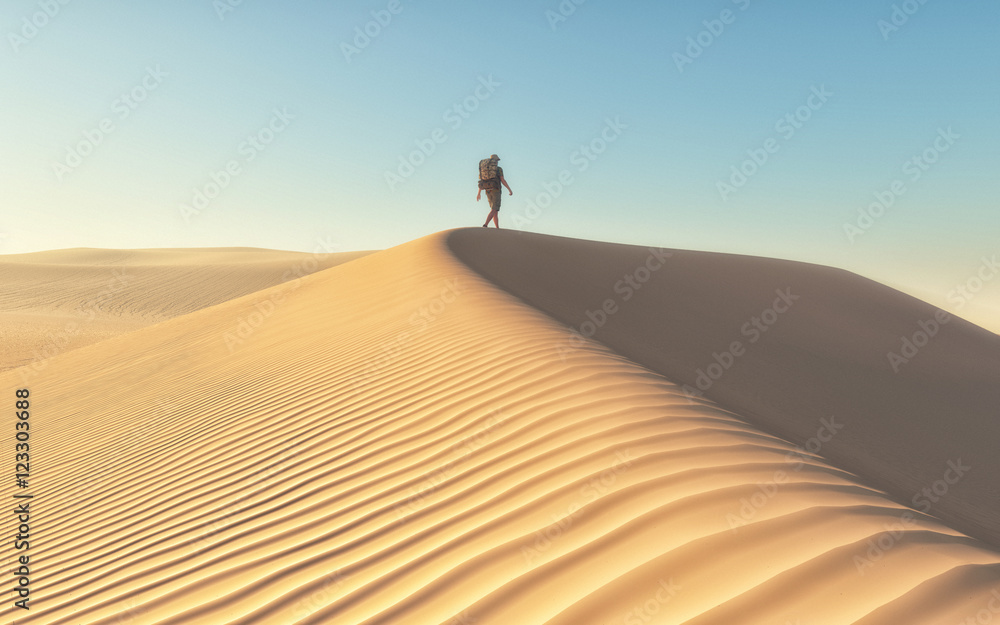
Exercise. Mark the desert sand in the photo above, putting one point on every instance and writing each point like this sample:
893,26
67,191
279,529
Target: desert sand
60,300
418,436
826,355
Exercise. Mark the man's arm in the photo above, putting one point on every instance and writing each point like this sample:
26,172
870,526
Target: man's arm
504,182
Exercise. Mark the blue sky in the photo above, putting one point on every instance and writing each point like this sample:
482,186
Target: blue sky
336,120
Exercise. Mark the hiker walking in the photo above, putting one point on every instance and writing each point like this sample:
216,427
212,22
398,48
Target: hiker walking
490,179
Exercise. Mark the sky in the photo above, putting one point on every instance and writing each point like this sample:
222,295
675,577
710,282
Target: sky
862,134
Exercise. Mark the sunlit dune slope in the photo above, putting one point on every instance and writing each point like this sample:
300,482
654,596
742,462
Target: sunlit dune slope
399,441
55,301
915,398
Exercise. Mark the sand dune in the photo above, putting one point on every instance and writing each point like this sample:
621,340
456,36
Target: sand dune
397,440
64,299
815,342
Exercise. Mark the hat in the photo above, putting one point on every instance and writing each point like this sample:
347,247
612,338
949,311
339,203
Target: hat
494,157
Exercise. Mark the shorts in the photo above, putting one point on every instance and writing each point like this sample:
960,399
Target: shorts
494,195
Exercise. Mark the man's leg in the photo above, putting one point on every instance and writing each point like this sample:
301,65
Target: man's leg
495,196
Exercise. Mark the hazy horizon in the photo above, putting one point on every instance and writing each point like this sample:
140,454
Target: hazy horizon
858,135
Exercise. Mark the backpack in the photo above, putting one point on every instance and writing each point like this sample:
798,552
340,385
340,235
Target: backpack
489,177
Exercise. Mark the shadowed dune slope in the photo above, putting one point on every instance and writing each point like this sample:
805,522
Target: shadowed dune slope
59,300
931,422
399,441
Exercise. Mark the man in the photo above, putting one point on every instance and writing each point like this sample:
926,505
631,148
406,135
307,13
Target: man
493,193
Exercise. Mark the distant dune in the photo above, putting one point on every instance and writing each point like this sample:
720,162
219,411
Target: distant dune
398,440
64,299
